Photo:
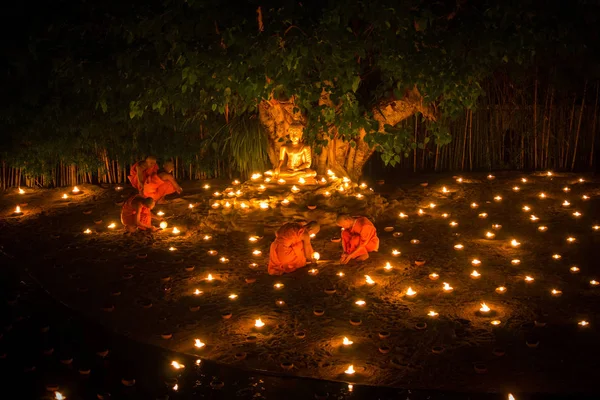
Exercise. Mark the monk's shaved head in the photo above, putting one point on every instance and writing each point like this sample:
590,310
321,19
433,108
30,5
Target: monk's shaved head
169,166
344,220
148,202
313,227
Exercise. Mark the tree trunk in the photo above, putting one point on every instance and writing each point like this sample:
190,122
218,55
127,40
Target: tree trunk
345,158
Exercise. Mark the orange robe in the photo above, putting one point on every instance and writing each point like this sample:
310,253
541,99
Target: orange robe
287,250
157,188
129,212
148,172
362,232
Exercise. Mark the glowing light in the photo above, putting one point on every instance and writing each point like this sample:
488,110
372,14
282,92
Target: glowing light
410,292
596,227
574,269
363,185
268,180
500,289
432,205
594,282
484,308
176,387
340,274
64,196
368,280
396,253
163,225
515,243
433,276
316,256
346,341
447,287
172,248
533,218
160,213
313,271
217,194
262,188
207,237
542,228
258,323
253,239
21,191
210,278
566,203
497,226
18,210
175,231
511,397
199,344
295,189
453,224
350,370
112,226
285,202
495,322
585,197
524,180
223,260
198,292
176,365
475,261
515,261
474,205
327,194
59,396
215,205
529,279
516,188
542,195
330,172
556,256
458,247
549,173
556,292
255,176
445,215
432,314
571,239
490,177
445,190
257,253
87,231
206,186
583,323
483,215
75,190
350,387
498,198
402,215
526,208
475,274
581,180
420,212
490,235
233,296
459,180
566,189
577,214
278,285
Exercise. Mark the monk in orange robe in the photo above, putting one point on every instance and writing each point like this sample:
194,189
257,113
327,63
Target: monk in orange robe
162,183
359,238
291,248
136,214
141,171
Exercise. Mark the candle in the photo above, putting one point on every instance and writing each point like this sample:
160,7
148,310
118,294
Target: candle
207,237
285,202
75,190
278,285
217,194
445,190
490,177
396,253
346,341
583,323
542,228
410,292
432,314
432,205
233,296
223,260
490,235
529,279
500,289
363,185
87,231
206,186
577,214
59,396
258,323
484,308
359,196
420,212
498,198
414,241
368,280
198,343
515,243
585,197
176,365
474,205
327,194
388,266
112,226
533,218
447,287
475,274
18,210
253,239
594,282
475,261
596,227
215,205
542,195
549,173
163,225
433,276
526,208
515,261
313,271
175,231
571,239
445,215
483,215
556,292
458,247
350,370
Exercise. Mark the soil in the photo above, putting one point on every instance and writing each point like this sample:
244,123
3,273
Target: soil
103,276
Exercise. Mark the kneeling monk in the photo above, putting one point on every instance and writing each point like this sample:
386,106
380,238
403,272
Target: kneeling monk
136,214
291,248
359,237
141,171
161,184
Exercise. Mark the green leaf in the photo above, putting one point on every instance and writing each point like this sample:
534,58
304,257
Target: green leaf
355,83
214,107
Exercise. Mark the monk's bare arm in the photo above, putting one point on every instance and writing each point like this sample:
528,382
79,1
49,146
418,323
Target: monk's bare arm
168,177
138,216
308,250
140,175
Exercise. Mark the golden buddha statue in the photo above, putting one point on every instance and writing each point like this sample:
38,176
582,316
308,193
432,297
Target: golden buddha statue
299,158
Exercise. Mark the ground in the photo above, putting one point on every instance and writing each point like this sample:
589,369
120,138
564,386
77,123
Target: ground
135,286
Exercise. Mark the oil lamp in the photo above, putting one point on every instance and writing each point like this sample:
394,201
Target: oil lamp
368,280
295,189
255,176
445,190
75,190
524,180
206,238
87,231
18,210
59,396
64,196
574,269
496,227
363,185
542,228
515,261
483,215
285,202
445,215
402,215
432,314
262,188
217,194
549,173
410,292
596,227
215,205
233,296
529,279
556,256
323,181
160,213
388,267
583,323
360,303
421,212
516,188
433,276
112,226
415,241
571,239
453,224
340,274
199,344
566,189
515,243
447,288
268,180
577,214
458,247
474,205
223,260
172,248
581,180
264,205
350,370
556,292
163,225
258,323
278,285
475,262
176,365
500,289
490,235
594,282
491,177
526,208
566,203
495,322
585,197
346,341
198,292
206,186
459,180
175,231
498,198
227,204
253,239
256,253
533,218
396,253
475,274
313,271
484,309
360,196
326,194
432,205
210,278
21,191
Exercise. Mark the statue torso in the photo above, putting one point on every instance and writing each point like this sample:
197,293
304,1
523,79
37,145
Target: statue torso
297,155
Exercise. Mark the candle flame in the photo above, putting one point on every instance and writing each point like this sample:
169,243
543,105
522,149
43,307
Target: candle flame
556,256
87,231
433,275
295,189
209,277
577,214
264,205
340,274
197,292
483,215
410,292
585,197
206,187
18,210
346,341
278,285
350,370
253,239
445,190
474,205
432,313
542,228
445,215
447,287
359,196
529,279
176,365
175,231
566,189
574,269
432,205
516,188
316,256
368,280
163,225
301,181
459,180
500,289
258,323
64,196
515,243
172,248
21,191
498,198
490,235
112,225
281,181
420,212
524,180
583,323
388,266
360,302
484,308
475,261
533,218
453,224
459,246
255,176
76,189
233,296
495,322
257,252
515,261
475,274
216,194
556,292
199,344
594,282
542,195
566,203
571,239
402,215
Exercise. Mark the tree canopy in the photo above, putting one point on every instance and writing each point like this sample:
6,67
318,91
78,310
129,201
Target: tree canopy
167,77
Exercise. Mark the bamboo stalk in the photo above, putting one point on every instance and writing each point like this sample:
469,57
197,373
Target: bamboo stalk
594,127
579,126
535,149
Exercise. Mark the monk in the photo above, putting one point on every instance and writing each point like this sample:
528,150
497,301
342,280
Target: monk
291,248
162,183
141,171
359,238
136,214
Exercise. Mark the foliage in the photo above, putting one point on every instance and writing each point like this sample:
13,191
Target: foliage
147,76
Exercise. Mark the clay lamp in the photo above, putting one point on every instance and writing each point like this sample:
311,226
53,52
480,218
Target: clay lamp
542,195
388,267
549,174
515,243
585,197
497,198
447,288
529,279
253,239
350,370
198,292
59,396
285,202
311,206
453,224
346,342
501,290
556,256
516,188
474,205
583,323
495,322
410,293
217,194
340,274
533,218
483,215
396,253
556,292
432,314
326,194
515,261
323,181
206,186
571,239
176,231
295,189
475,262
215,205
596,227
445,189
112,226
566,189
163,225
574,269
257,253
484,309
212,252
459,180
199,344
172,248
268,180
244,205
360,303
496,227
209,278
369,280
363,186
432,205
87,231
75,190
491,177
258,323
445,215
402,215
280,303
313,271
524,180
475,274
264,205
65,197
581,180
490,235
526,208
227,204
415,241
262,188
594,282
21,191
318,311
223,260
421,212
433,276
542,228
419,261
566,203
577,214
177,365
278,285
316,256
255,176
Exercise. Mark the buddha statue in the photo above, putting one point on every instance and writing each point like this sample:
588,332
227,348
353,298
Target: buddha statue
299,158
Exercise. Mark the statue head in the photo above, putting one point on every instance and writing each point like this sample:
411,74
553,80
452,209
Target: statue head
295,132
